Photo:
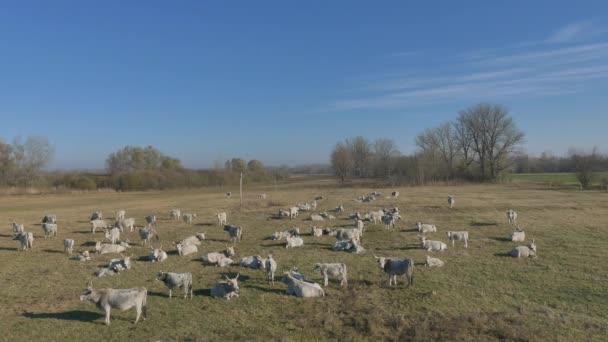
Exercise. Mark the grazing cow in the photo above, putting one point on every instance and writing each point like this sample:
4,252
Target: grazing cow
17,228
83,256
451,201
221,219
157,254
395,267
433,262
334,270
49,218
188,218
294,242
68,246
511,216
425,228
432,245
389,221
226,289
105,248
113,235
460,236
50,230
26,240
235,233
184,250
120,215
395,194
193,240
271,268
214,258
98,223
107,299
175,214
96,215
293,212
126,224
255,262
301,288
146,233
176,281
518,235
524,251
151,220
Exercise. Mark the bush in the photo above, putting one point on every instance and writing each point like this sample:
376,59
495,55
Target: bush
85,183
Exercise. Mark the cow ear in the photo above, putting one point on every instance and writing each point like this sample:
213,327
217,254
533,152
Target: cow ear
237,276
226,277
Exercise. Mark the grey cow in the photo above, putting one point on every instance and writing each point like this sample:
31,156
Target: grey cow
528,251
98,223
301,288
214,258
68,246
194,240
50,230
49,218
107,299
151,220
146,233
271,268
26,239
226,289
176,281
460,236
334,270
395,267
235,232
255,262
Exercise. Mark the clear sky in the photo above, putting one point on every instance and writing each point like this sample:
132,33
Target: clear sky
282,81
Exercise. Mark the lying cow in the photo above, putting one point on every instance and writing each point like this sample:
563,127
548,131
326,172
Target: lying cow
255,262
214,258
183,250
301,288
157,254
226,289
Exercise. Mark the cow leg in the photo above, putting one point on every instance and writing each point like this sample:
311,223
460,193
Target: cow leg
107,311
326,281
137,313
466,243
170,293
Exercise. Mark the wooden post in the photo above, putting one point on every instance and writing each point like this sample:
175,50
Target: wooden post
241,191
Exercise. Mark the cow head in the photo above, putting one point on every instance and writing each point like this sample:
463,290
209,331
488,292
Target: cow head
381,261
86,293
232,283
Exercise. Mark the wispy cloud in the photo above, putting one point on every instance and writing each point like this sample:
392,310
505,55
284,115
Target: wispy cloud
555,66
573,32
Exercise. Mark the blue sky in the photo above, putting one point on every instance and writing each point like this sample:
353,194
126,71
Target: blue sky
282,81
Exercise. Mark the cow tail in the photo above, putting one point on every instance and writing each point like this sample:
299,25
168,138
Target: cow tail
144,302
411,271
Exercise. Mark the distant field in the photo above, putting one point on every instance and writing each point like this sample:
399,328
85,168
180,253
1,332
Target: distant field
555,178
479,295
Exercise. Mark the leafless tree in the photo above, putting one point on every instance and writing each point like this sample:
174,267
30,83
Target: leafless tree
385,150
342,161
584,164
442,142
360,149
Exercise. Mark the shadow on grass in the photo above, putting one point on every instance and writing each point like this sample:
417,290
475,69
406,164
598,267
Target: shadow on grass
275,244
202,292
502,239
144,258
483,224
265,289
173,252
502,254
83,232
89,244
53,251
6,235
8,248
204,224
411,230
76,315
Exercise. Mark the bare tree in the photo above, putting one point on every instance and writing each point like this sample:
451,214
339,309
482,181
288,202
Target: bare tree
385,150
360,149
584,164
442,142
342,161
464,142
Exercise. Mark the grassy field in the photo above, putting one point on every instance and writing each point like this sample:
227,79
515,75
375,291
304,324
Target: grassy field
480,294
554,178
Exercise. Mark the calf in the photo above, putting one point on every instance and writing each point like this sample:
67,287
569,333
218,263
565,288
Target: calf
68,246
221,219
226,289
176,281
433,262
26,240
188,218
293,212
334,270
461,236
235,232
120,215
175,214
271,268
511,216
17,228
50,230
107,299
98,223
518,235
145,234
214,258
112,235
83,256
432,245
302,289
451,201
157,254
425,228
395,267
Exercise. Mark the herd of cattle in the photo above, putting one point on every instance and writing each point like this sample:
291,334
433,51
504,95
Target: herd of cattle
348,239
